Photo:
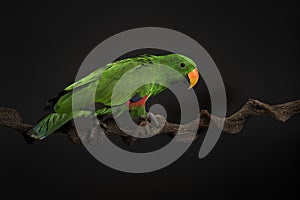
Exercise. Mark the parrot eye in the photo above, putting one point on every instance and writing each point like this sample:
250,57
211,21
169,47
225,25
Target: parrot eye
182,65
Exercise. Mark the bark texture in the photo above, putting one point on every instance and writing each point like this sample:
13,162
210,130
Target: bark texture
233,124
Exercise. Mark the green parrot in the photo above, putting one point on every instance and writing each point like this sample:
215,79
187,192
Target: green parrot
96,89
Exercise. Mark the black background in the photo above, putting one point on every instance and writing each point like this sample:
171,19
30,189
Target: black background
255,46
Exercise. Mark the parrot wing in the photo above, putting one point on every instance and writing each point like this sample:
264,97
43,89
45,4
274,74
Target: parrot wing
129,81
95,75
102,81
67,92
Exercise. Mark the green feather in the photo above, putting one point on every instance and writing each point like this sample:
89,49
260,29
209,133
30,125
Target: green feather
54,121
87,79
98,87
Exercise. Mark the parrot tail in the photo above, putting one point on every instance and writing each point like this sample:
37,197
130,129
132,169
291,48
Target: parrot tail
53,122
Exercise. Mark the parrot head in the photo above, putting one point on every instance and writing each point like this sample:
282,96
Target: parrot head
184,65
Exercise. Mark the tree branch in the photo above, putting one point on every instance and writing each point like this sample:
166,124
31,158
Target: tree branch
232,125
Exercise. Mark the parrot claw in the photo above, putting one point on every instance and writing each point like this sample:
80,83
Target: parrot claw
142,129
150,118
153,118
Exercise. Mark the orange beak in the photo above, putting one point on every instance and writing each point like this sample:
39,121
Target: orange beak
193,77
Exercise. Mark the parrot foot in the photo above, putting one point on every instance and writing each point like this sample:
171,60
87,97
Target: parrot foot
150,117
146,125
142,129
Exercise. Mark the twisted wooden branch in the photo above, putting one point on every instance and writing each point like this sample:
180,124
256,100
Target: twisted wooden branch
232,124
